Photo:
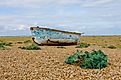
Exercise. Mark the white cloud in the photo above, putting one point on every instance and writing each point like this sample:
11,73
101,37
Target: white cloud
21,27
65,2
44,3
36,3
59,14
96,3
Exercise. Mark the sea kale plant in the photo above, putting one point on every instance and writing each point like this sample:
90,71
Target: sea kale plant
89,60
61,47
31,47
73,58
2,47
83,45
94,60
4,44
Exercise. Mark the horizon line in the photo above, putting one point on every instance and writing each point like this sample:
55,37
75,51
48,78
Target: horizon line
81,35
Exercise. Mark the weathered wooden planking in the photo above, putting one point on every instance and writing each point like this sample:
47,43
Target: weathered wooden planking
53,36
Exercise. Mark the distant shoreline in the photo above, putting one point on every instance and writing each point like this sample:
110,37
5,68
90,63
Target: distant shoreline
103,35
15,36
82,35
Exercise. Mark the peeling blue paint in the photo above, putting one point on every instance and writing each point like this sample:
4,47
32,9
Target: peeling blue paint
48,34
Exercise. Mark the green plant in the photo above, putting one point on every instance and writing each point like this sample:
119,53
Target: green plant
19,42
94,60
88,60
112,47
2,47
31,47
83,45
61,47
4,44
27,41
73,58
8,44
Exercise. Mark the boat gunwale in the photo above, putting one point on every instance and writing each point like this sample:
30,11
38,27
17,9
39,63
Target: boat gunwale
55,30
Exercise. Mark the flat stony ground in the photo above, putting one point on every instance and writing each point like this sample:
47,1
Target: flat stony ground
48,63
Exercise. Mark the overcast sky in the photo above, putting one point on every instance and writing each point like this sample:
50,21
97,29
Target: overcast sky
93,17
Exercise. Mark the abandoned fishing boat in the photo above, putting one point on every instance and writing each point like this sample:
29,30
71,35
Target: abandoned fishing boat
47,36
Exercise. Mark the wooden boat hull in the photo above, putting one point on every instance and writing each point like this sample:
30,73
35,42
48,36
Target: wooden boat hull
46,36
